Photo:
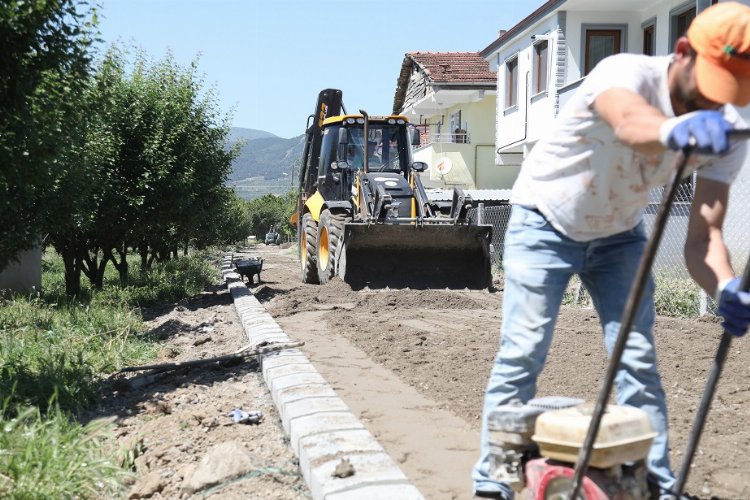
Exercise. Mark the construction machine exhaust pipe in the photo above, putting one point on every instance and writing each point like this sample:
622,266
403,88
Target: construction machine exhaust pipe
416,256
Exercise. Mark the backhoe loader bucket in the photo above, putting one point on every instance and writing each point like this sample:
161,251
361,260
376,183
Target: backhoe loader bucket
420,257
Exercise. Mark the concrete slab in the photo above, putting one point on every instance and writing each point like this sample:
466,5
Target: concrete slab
309,406
311,425
378,492
369,470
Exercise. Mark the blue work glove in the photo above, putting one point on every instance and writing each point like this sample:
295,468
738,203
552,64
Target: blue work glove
705,130
734,307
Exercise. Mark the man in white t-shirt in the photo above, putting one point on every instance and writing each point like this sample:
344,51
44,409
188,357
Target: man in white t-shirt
578,205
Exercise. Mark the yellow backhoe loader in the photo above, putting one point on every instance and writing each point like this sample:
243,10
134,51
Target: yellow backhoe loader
364,215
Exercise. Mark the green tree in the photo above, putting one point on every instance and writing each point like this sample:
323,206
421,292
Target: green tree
79,197
151,159
271,210
43,67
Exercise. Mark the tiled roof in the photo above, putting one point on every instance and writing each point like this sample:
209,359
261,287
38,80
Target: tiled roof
454,67
443,68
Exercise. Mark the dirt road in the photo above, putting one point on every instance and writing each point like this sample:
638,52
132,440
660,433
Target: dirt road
413,366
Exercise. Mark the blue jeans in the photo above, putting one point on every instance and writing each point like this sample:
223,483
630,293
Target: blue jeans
538,263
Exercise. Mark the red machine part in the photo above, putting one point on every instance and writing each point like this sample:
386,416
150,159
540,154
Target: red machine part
550,480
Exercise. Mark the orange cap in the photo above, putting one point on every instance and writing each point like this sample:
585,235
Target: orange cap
720,35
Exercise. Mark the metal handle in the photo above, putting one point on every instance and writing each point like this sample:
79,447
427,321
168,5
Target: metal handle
634,298
708,394
739,134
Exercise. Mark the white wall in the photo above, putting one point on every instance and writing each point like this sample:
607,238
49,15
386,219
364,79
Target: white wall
25,274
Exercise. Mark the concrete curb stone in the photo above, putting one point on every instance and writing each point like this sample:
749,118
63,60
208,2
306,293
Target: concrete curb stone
321,428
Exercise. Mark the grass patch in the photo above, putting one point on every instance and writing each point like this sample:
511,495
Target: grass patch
163,282
53,352
674,297
50,456
677,297
58,350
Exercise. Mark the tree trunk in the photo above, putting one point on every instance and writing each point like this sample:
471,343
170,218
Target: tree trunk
122,265
143,250
72,272
185,248
93,268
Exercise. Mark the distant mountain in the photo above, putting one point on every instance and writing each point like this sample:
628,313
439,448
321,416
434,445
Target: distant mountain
248,134
264,155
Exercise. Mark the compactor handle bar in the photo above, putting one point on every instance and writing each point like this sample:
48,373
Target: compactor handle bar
634,297
739,133
708,394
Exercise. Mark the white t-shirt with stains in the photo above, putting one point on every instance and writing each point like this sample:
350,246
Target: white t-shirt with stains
589,185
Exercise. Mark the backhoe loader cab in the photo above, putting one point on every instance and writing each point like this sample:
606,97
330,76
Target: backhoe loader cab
388,140
365,216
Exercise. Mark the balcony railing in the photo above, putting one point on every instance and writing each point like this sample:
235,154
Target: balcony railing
459,138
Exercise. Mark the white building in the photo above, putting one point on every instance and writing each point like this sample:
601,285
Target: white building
450,97
541,60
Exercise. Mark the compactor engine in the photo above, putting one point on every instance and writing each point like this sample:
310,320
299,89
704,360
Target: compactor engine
534,447
364,215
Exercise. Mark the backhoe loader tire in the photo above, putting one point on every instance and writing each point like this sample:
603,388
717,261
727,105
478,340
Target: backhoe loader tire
330,233
309,250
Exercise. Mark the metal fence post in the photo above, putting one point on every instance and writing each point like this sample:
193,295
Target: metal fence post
480,214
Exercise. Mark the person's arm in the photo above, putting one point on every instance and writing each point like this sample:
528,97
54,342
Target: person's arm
635,122
644,128
706,254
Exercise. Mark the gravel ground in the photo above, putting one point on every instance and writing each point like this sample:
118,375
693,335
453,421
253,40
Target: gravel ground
183,442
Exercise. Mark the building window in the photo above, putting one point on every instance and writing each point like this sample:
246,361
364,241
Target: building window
511,83
649,40
541,56
680,19
600,43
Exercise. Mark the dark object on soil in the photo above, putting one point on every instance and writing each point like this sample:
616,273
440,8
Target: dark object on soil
247,268
343,469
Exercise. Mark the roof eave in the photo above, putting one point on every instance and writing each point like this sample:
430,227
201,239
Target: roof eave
535,16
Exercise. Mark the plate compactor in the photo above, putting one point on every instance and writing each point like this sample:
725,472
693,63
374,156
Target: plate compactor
534,446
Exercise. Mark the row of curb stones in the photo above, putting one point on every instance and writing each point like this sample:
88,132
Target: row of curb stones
323,432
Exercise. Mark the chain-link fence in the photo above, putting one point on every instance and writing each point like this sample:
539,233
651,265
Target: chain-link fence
497,216
676,293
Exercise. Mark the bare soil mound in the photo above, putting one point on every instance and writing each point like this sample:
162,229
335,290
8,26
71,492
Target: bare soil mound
442,344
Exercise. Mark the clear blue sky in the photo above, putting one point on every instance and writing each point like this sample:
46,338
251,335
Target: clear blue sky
268,59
